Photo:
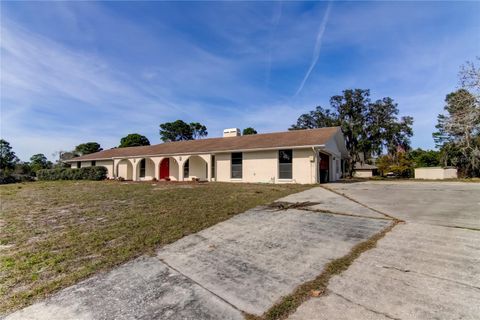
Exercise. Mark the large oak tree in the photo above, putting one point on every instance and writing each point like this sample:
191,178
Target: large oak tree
134,140
370,128
249,131
87,148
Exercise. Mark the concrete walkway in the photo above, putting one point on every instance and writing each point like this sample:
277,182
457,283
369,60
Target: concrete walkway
426,268
245,264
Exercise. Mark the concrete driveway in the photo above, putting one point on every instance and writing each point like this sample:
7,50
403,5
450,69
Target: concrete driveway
453,204
425,268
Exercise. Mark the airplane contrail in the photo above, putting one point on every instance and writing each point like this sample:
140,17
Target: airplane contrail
316,50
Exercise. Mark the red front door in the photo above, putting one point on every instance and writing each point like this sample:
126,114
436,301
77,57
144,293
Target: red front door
164,169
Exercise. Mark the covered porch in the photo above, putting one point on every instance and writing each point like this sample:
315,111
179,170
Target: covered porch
193,167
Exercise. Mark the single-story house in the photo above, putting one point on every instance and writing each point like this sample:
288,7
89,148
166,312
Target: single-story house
364,170
300,156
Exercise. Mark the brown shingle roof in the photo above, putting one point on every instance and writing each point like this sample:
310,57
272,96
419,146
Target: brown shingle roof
311,137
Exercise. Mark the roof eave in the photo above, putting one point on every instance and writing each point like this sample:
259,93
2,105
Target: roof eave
200,152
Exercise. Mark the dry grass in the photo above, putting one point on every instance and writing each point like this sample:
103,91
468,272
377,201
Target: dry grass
52,234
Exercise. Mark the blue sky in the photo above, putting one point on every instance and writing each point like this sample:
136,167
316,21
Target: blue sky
73,72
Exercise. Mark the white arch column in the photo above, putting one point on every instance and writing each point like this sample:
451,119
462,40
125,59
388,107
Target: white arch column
181,161
135,162
157,161
115,170
208,160
115,167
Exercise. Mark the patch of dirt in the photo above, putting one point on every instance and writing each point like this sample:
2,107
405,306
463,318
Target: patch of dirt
176,186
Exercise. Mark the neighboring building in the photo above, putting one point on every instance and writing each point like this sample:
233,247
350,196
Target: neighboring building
435,173
364,170
300,156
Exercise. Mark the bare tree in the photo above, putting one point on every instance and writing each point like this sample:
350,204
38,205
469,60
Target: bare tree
458,132
470,77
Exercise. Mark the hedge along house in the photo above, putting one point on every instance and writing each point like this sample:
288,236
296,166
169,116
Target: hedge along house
301,156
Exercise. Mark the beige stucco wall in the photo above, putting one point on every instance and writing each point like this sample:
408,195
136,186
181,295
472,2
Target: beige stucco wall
173,166
304,170
363,173
197,168
222,166
107,164
435,173
262,167
125,170
85,164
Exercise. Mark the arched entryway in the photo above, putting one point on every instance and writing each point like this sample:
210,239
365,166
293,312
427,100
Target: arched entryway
168,169
145,169
125,169
195,167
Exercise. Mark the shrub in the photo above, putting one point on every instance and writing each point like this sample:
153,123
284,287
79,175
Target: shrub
7,178
398,164
88,173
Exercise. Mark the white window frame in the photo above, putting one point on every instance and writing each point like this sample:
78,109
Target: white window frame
238,165
279,164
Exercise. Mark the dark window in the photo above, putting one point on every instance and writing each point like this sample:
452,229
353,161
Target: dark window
186,169
79,164
285,164
94,163
213,166
237,160
142,168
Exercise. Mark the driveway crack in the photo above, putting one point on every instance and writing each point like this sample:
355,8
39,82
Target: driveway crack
431,276
364,307
362,204
342,213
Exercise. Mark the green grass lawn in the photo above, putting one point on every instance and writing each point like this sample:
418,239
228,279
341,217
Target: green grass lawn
52,234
